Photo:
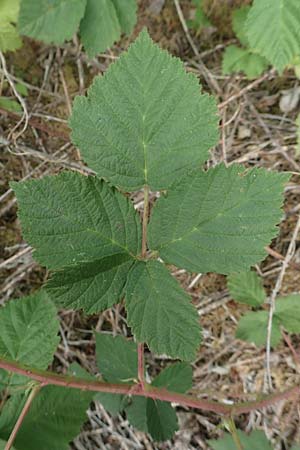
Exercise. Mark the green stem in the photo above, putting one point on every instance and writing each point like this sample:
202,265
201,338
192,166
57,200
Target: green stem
234,434
22,416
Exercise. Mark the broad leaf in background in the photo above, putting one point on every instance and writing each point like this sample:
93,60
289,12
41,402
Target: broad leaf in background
160,312
255,441
103,22
246,287
10,105
145,121
236,59
54,419
80,222
219,220
288,312
51,21
239,18
200,20
28,334
9,37
252,327
273,30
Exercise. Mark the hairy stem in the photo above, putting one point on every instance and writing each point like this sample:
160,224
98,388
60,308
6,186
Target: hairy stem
48,378
22,416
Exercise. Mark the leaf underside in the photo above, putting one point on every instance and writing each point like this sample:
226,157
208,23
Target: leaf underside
144,122
273,30
219,220
160,313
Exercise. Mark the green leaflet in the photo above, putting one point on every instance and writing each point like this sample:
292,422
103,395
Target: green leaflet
200,20
288,312
273,30
103,22
80,222
93,286
255,441
219,220
239,18
246,287
160,313
116,358
54,419
28,334
252,327
145,121
51,21
9,37
7,103
238,59
157,417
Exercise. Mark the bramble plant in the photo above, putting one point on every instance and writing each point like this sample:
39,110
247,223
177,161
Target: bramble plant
143,125
100,22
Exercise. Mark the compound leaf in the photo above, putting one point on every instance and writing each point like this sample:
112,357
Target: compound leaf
253,326
236,59
160,312
273,30
246,287
239,18
116,358
51,21
288,312
28,333
54,419
256,440
219,220
80,222
145,121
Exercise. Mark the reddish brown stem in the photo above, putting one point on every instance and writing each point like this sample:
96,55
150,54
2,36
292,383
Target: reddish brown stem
141,372
49,378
